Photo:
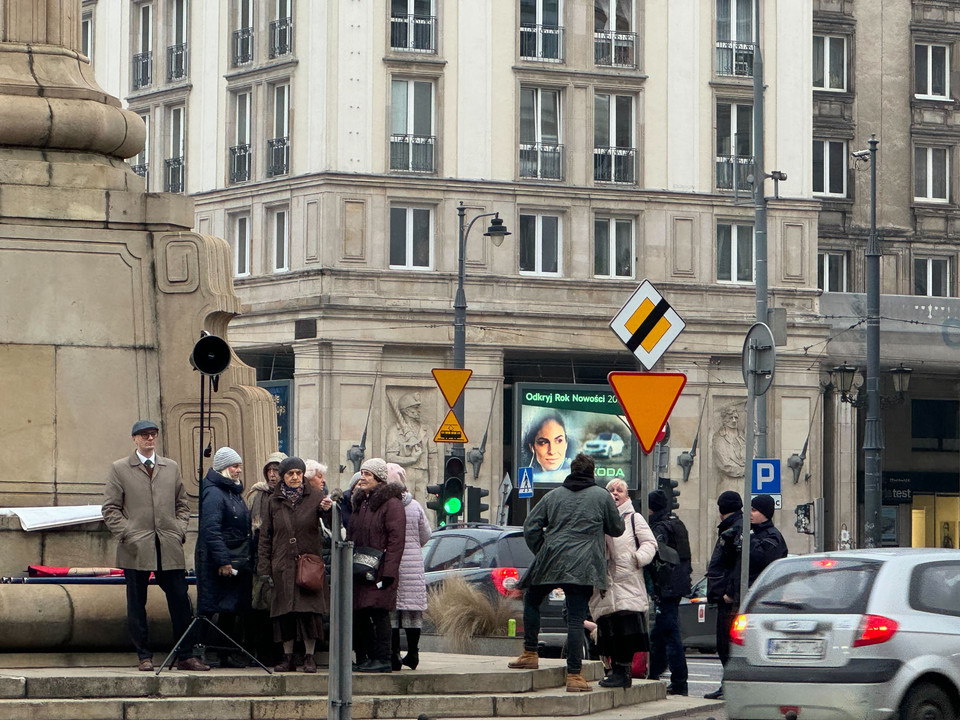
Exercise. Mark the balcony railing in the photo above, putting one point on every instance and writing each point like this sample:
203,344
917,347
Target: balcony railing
615,164
176,62
142,70
414,153
143,170
415,33
281,37
735,58
728,179
175,170
541,42
615,49
541,160
242,46
278,150
240,163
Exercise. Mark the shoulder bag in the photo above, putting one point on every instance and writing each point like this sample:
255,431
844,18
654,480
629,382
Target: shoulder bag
311,569
366,562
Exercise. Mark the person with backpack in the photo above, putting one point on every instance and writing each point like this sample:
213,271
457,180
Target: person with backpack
666,645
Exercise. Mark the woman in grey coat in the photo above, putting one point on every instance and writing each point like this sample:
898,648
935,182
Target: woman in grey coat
412,590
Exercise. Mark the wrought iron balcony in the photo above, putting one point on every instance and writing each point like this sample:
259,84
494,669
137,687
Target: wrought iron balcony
278,150
240,163
281,37
176,62
175,171
734,59
615,49
615,164
414,33
730,179
143,170
541,160
541,42
242,46
414,153
142,70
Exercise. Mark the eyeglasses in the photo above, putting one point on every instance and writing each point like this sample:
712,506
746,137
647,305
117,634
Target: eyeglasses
148,434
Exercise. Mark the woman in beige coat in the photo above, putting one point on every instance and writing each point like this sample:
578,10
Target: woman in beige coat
620,610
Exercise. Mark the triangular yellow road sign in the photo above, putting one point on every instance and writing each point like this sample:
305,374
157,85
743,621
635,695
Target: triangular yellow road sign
451,382
450,430
648,400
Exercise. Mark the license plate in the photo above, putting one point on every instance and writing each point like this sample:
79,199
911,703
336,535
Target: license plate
789,647
557,594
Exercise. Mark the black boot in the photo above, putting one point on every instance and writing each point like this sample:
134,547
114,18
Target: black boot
395,663
619,677
412,658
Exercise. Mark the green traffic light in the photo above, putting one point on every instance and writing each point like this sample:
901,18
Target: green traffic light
453,506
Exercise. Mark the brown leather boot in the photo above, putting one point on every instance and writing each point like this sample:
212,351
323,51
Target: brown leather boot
287,664
576,683
529,660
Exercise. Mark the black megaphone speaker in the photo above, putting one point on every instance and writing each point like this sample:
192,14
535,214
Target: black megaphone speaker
211,355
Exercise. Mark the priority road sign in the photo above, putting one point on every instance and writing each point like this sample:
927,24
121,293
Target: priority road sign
647,399
647,324
525,486
765,479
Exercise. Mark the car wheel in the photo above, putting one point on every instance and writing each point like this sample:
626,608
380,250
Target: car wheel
927,701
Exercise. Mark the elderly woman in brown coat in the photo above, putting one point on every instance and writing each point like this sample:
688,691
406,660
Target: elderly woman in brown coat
291,526
378,523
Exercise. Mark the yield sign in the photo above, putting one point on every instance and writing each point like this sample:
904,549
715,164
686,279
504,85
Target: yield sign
450,431
451,382
648,400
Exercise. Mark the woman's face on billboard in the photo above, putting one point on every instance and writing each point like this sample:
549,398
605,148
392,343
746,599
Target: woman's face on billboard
550,445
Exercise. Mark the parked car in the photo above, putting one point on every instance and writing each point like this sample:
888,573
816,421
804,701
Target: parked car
605,444
852,634
698,620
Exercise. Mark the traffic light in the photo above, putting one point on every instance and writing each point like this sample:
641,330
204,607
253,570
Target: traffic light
435,503
475,508
670,488
453,486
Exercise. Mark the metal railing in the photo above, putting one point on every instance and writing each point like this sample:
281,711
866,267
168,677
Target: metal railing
240,163
730,179
143,170
142,70
242,46
176,62
175,170
281,37
734,59
615,49
414,153
541,42
278,150
541,160
416,33
615,164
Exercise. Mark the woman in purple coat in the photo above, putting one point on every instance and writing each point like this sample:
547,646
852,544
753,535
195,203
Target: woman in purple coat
412,594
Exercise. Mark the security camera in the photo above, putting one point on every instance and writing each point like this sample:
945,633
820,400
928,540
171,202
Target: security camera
861,154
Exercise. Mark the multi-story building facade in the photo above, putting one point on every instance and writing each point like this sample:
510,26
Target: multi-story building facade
332,144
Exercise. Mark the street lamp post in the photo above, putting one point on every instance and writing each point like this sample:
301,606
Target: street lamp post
496,232
872,438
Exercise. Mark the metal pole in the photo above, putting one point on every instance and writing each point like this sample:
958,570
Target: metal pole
748,470
760,216
340,683
872,437
460,322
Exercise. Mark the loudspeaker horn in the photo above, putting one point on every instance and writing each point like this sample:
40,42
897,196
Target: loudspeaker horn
211,355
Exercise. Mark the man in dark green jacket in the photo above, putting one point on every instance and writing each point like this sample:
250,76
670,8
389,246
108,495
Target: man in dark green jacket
565,531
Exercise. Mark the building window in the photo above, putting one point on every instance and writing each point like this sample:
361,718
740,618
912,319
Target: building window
832,271
614,151
614,36
539,244
278,147
240,150
411,238
243,35
931,277
541,36
735,253
735,38
613,247
734,146
932,71
541,154
142,70
141,163
281,30
412,139
241,245
177,52
413,26
175,164
830,167
930,173
829,62
281,241
86,35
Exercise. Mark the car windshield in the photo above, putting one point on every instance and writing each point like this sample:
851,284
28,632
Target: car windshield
605,436
815,585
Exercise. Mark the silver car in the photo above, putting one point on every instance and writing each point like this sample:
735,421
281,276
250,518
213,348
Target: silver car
854,635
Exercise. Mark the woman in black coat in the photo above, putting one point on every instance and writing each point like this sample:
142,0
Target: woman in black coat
224,546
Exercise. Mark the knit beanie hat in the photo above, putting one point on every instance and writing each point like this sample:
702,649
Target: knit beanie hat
397,475
226,457
377,466
729,502
291,463
763,504
657,501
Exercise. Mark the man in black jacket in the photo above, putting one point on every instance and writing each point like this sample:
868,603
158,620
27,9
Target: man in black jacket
666,645
723,576
766,542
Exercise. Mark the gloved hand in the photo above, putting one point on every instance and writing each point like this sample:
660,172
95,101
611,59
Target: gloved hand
386,582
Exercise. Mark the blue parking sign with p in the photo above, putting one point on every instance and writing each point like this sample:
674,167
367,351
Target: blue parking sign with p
766,476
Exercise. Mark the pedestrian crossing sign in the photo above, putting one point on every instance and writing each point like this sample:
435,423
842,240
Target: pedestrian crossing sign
525,486
647,324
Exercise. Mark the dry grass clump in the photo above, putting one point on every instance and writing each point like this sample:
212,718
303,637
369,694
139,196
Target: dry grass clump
461,611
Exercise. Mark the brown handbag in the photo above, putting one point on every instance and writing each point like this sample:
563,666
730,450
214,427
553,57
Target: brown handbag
311,572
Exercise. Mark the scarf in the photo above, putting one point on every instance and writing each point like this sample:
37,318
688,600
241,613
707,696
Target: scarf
579,481
294,495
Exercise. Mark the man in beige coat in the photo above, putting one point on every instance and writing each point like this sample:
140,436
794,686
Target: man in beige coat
145,507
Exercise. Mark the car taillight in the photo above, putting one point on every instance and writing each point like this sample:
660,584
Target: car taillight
738,629
505,580
875,629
